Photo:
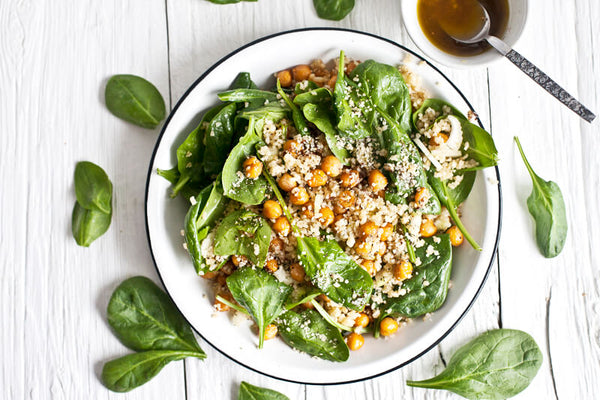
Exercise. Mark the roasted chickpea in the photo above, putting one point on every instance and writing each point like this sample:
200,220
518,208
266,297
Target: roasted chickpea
252,167
428,228
272,265
285,78
222,307
292,147
297,272
456,236
239,260
282,226
286,182
362,321
369,266
364,248
317,178
331,166
326,217
299,196
301,72
388,326
377,181
386,232
272,209
270,331
403,270
350,178
210,275
369,228
355,341
276,245
309,305
332,81
345,200
422,196
308,210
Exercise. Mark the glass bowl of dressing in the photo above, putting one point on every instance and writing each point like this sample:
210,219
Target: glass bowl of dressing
428,21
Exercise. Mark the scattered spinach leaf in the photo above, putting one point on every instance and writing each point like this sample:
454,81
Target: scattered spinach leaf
334,10
93,189
143,317
496,365
251,392
422,298
334,272
88,225
243,233
210,204
236,185
128,372
547,207
135,100
310,333
218,139
261,294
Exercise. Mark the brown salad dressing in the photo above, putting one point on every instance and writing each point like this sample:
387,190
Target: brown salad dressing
463,19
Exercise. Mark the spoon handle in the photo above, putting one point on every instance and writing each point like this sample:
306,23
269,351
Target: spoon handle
542,79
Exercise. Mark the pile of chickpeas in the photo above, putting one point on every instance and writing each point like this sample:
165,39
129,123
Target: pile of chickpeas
372,238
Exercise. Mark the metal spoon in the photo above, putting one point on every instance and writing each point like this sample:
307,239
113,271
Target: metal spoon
526,66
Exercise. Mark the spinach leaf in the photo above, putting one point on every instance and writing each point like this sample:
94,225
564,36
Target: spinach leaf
261,294
243,81
200,218
547,207
334,10
236,185
306,86
334,272
449,199
187,190
93,189
310,333
319,115
330,320
299,121
319,95
251,392
460,193
243,233
271,111
300,295
438,105
88,225
135,100
243,95
422,298
218,138
143,317
496,365
130,371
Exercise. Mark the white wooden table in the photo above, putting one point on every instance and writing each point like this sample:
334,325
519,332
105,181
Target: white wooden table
55,57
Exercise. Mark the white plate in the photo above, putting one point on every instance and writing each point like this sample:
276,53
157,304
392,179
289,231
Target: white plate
192,295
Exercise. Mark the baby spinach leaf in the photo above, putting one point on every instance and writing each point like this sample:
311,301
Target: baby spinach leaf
248,95
272,111
135,100
236,185
319,95
261,294
300,295
133,370
334,10
187,190
460,193
310,333
243,233
143,317
218,138
306,86
448,198
547,207
210,204
334,272
251,392
88,225
93,189
299,121
320,115
437,105
330,320
496,365
426,290
243,81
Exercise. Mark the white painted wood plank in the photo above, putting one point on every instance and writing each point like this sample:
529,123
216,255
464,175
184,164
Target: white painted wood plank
545,297
56,57
200,34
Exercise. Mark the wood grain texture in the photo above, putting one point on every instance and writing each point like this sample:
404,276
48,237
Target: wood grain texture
55,60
